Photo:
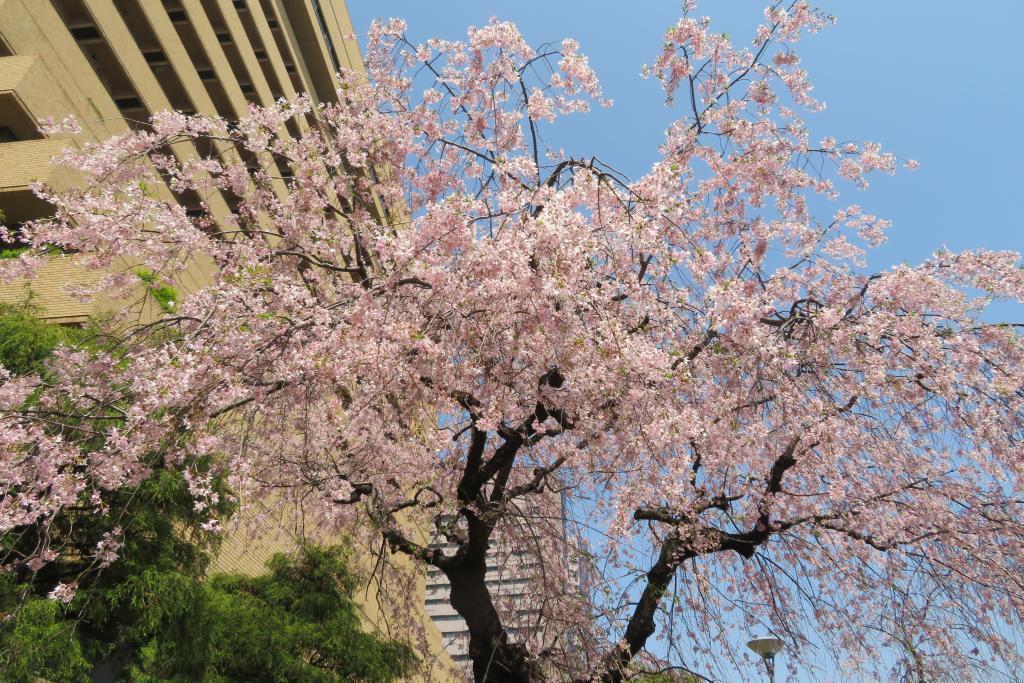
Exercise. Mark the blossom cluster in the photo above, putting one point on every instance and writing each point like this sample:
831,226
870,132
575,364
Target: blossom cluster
430,299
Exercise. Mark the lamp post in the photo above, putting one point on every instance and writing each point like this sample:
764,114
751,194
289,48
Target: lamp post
766,649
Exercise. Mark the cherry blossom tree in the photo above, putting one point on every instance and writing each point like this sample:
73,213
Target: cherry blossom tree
445,324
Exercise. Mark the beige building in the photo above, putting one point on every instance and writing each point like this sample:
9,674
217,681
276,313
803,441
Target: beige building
112,63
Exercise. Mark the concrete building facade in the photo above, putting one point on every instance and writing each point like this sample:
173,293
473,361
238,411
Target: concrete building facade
113,63
509,574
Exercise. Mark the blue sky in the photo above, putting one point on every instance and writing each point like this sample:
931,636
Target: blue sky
933,81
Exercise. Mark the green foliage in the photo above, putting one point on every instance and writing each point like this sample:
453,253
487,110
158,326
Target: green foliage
153,614
165,295
26,341
166,554
154,589
13,252
296,623
161,527
36,640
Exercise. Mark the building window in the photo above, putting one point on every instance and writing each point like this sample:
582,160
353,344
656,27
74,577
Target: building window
326,34
129,102
177,16
155,57
7,135
85,33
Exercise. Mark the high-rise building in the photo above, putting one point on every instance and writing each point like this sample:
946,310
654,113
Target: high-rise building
516,577
509,575
112,63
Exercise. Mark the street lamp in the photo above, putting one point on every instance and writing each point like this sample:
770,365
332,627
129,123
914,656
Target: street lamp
766,649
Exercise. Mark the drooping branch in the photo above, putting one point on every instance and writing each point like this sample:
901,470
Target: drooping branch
384,518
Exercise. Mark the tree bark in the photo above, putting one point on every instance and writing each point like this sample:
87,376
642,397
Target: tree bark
641,624
495,657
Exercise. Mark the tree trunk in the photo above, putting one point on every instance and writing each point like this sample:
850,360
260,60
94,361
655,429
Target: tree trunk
495,658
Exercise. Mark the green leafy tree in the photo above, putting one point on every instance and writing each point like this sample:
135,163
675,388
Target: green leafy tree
26,341
152,615
36,638
297,622
165,546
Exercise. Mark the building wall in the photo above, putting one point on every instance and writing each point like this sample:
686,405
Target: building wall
111,64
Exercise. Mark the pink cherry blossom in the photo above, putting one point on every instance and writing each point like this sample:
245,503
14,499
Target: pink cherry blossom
684,395
63,592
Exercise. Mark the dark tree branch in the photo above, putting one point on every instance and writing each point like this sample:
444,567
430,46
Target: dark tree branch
641,623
